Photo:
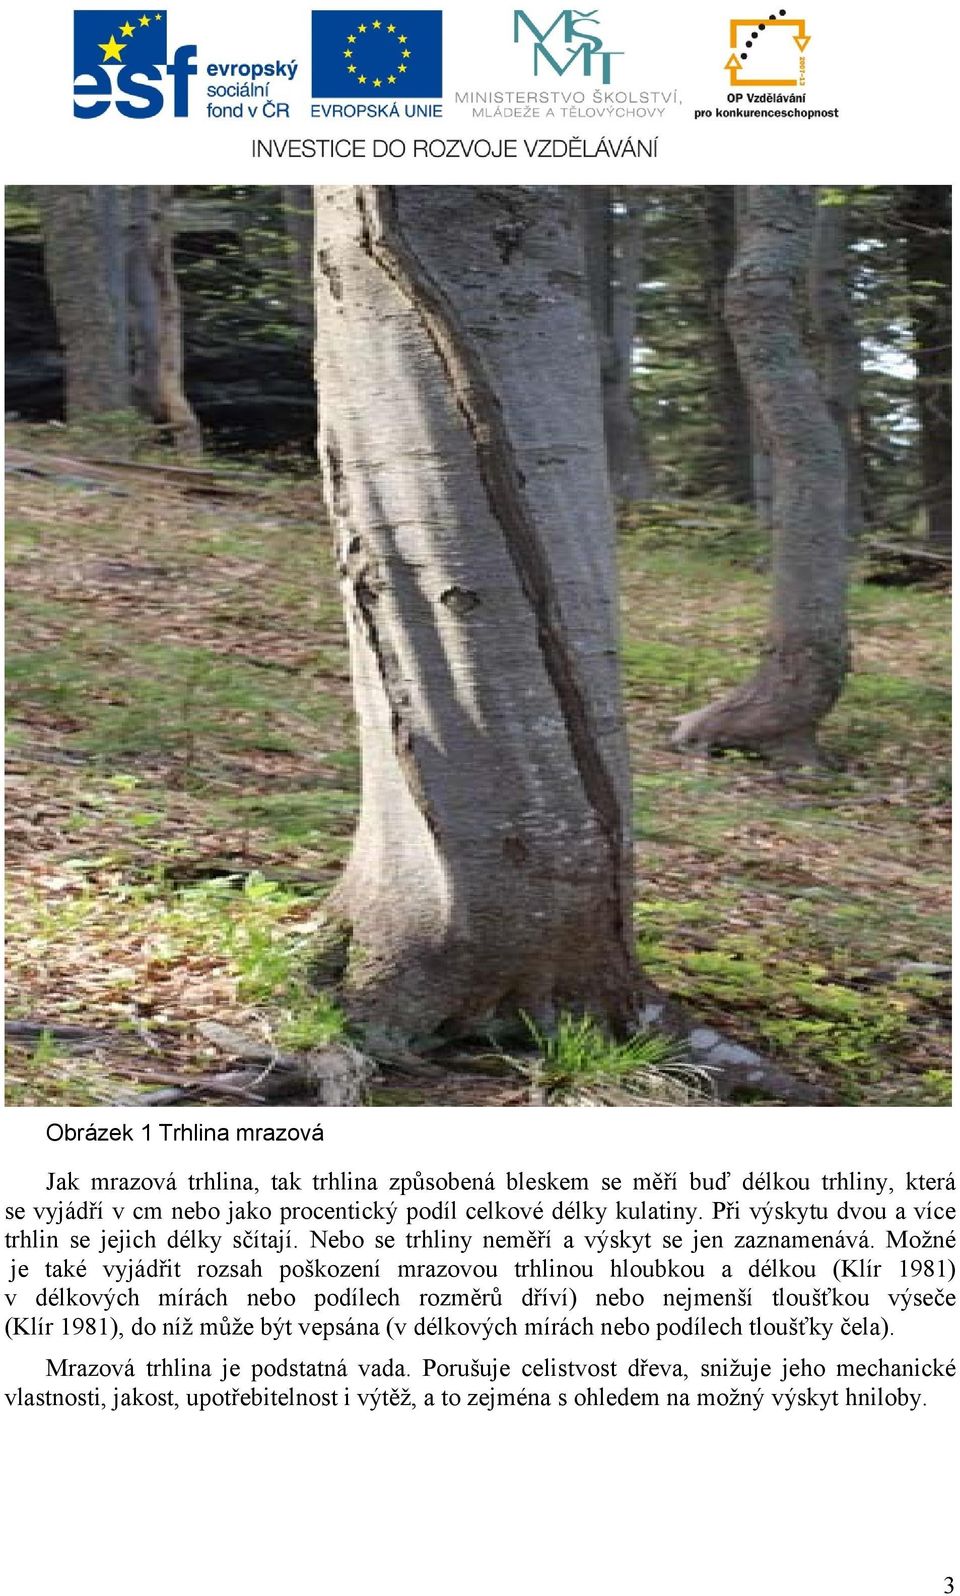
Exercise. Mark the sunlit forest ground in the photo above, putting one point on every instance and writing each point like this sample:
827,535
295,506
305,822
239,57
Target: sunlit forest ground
183,784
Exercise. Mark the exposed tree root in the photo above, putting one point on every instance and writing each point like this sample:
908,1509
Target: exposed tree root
718,729
732,1067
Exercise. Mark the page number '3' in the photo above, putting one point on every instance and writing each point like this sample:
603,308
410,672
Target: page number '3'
948,1585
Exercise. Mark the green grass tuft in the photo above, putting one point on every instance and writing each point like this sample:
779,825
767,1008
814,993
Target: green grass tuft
578,1062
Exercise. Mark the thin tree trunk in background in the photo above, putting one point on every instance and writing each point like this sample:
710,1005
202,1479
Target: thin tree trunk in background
83,241
928,258
463,460
111,205
731,405
838,347
778,710
869,494
297,203
157,331
614,247
761,462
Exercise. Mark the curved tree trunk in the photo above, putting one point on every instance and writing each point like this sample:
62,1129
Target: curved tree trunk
777,712
838,346
613,244
463,460
157,331
84,242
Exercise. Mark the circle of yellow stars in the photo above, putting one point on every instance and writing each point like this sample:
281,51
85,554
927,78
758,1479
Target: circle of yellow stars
112,48
352,38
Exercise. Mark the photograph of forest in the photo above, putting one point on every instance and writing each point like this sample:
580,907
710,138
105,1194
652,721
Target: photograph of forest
478,646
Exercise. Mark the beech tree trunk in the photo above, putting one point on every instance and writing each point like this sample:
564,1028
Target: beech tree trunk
462,452
928,237
730,402
777,712
157,330
613,241
838,347
84,240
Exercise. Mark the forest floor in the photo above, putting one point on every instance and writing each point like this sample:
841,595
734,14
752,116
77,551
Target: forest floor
183,785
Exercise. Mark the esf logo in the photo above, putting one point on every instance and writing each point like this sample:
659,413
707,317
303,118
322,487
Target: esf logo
120,58
570,31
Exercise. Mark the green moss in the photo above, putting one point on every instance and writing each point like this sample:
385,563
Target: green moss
939,1085
795,1008
898,695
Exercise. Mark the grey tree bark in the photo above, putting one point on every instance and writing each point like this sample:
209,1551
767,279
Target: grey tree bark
84,242
777,711
462,453
613,241
838,346
156,323
761,469
731,405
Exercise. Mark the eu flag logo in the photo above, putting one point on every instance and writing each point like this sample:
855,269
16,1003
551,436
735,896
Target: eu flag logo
136,38
371,55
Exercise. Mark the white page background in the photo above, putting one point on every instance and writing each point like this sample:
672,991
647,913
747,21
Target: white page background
670,1502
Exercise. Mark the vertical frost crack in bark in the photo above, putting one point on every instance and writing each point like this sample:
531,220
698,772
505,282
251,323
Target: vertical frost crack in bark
382,237
401,730
355,569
